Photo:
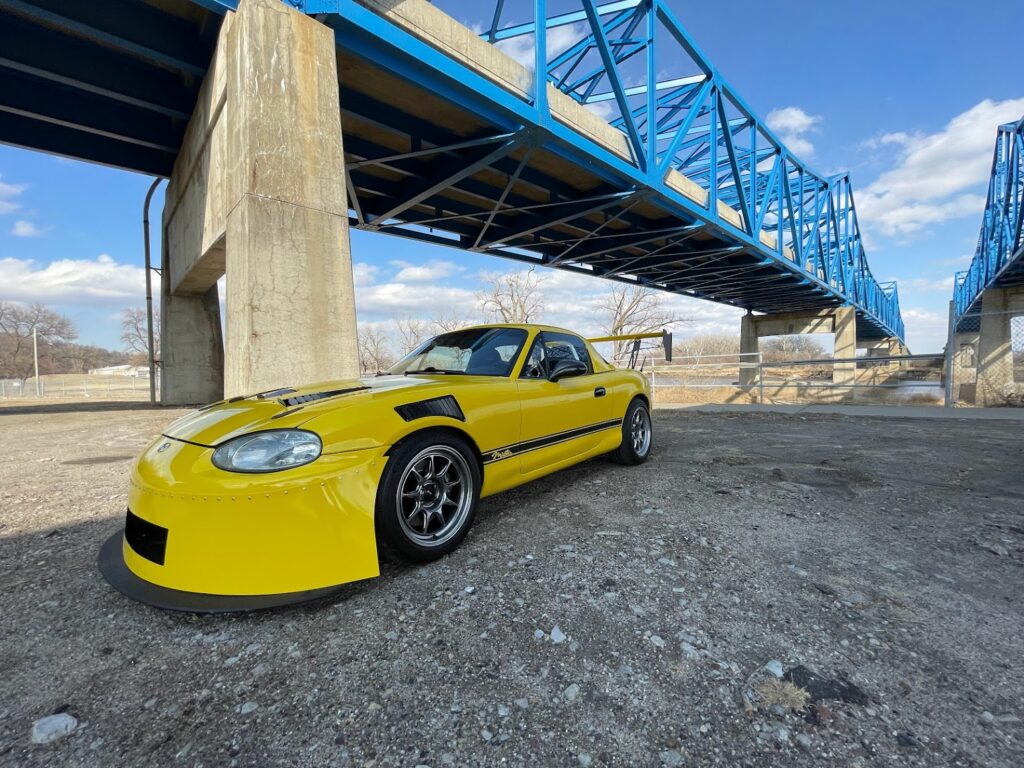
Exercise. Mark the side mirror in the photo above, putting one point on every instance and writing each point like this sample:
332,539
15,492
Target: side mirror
565,368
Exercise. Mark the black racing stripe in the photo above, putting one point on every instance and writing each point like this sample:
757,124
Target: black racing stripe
517,449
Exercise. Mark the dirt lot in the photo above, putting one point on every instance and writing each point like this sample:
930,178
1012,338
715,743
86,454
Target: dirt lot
885,556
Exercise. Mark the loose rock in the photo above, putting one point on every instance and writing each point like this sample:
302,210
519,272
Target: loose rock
53,727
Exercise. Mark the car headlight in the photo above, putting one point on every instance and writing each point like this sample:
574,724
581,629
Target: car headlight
268,451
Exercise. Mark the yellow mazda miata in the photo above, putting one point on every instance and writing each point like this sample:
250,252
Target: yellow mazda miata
281,496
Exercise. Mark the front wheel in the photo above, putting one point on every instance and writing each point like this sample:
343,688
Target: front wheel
637,435
427,497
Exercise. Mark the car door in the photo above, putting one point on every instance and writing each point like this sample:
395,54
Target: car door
560,419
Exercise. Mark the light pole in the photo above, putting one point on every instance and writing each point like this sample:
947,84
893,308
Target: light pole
149,291
35,358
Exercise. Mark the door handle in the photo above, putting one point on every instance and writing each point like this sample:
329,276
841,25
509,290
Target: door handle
599,392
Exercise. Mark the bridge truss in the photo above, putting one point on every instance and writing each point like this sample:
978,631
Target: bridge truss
753,226
999,258
690,192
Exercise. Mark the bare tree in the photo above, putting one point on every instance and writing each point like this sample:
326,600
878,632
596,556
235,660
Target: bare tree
411,333
513,297
634,309
17,322
707,344
135,334
781,349
450,321
374,350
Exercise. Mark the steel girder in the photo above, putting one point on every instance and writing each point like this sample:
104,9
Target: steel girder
689,121
999,257
110,81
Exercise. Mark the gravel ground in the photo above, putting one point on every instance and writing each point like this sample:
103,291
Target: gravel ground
604,616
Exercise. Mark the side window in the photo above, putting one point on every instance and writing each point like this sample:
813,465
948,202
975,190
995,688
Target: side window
534,368
548,348
564,346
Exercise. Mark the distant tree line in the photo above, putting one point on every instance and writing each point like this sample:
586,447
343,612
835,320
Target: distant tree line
56,339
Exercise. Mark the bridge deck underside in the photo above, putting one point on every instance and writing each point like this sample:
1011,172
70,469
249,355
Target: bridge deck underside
112,81
535,204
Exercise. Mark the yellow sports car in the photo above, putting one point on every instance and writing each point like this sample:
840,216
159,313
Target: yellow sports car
281,496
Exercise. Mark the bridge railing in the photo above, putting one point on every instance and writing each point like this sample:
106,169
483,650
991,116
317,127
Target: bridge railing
1001,240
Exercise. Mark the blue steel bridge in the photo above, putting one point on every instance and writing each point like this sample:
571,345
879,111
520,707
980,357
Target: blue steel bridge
999,259
602,141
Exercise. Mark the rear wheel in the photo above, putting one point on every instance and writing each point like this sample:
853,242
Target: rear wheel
427,496
637,435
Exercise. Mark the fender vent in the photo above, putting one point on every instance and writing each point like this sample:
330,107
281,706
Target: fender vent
435,406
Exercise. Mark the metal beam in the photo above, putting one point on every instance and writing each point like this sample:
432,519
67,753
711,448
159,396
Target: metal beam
431,187
132,27
576,210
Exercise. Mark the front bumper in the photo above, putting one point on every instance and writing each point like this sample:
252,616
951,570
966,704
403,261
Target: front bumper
121,578
202,539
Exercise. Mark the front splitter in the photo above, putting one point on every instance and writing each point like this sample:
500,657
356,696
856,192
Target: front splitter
120,577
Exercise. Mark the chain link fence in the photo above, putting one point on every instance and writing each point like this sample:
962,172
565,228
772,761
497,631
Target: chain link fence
986,366
78,387
750,379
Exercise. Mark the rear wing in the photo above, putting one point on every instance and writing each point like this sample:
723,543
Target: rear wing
636,338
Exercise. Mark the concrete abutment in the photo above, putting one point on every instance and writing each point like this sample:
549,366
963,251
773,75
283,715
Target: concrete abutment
258,193
996,381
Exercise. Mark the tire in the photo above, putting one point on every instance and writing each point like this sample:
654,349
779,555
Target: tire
418,515
637,435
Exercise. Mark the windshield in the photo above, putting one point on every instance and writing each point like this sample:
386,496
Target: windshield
473,352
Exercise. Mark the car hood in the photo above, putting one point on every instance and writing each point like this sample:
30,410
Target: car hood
291,407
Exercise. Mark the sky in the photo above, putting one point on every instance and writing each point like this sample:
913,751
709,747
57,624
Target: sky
906,96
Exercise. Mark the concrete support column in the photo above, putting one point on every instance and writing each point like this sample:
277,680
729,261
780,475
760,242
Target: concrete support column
845,333
748,348
192,352
258,192
290,298
995,381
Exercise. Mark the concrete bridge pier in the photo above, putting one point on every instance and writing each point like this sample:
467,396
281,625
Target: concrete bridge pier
258,193
886,347
996,384
841,322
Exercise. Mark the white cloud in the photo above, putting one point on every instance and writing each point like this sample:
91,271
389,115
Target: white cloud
24,228
71,281
938,176
558,39
942,285
427,301
571,301
899,138
363,273
793,124
425,273
926,329
8,193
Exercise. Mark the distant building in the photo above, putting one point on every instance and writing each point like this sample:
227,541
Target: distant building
134,371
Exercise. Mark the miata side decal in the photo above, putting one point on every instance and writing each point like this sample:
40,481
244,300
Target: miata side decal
517,449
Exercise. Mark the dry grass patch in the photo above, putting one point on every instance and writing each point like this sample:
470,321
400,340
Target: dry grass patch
783,693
